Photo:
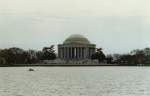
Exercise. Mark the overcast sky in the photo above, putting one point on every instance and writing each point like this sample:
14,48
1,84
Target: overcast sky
117,26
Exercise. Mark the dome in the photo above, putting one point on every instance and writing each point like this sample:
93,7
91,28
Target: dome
76,39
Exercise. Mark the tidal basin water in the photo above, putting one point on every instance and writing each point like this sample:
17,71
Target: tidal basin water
75,81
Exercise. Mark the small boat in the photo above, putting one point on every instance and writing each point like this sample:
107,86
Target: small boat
30,69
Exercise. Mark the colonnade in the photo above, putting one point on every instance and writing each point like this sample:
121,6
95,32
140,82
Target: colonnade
72,52
75,52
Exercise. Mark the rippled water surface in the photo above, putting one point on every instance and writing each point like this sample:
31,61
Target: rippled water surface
75,81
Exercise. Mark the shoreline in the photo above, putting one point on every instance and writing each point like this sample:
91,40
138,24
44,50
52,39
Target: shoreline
63,65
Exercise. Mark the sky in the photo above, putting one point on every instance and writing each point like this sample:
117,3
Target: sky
117,26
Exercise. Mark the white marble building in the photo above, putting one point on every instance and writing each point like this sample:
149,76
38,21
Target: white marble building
76,47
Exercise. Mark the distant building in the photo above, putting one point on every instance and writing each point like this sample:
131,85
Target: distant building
76,47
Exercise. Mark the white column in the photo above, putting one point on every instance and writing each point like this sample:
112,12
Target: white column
67,52
89,52
83,52
74,52
80,52
64,52
86,52
77,52
71,52
60,52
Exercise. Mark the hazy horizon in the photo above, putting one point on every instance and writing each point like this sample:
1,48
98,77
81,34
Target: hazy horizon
118,26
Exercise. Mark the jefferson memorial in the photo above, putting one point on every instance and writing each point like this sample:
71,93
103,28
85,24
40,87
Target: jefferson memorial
76,47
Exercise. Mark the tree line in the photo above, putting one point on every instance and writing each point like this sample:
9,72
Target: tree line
11,56
135,57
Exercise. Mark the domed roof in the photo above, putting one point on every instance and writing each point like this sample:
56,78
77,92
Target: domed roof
76,39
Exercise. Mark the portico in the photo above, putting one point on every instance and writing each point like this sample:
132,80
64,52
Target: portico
75,47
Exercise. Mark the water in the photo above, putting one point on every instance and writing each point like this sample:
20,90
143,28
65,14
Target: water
75,81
